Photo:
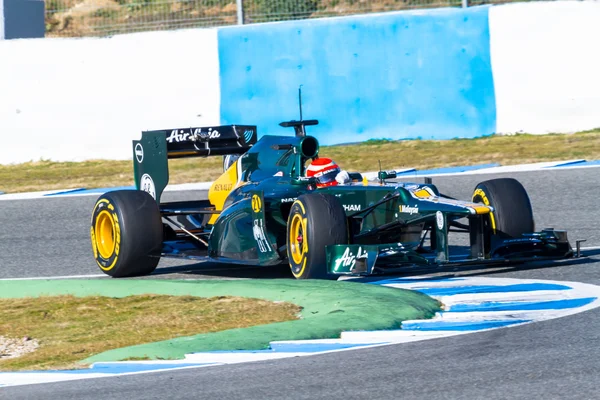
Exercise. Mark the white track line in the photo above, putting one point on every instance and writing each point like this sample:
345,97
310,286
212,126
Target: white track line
590,248
56,277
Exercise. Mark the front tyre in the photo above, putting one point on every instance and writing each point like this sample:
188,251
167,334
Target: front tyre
316,220
513,214
126,229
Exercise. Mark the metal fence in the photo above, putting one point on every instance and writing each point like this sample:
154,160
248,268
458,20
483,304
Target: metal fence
75,18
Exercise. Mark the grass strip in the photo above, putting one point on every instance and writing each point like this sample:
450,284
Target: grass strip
329,307
71,328
362,157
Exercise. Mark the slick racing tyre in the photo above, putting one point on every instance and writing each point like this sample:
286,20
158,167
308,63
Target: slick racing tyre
512,214
315,221
126,229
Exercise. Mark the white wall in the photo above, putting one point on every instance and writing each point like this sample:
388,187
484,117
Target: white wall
93,96
546,66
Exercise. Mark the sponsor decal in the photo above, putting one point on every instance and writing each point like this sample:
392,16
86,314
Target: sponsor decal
183,135
280,173
139,153
213,133
223,187
258,231
178,136
256,203
289,200
248,135
210,134
423,193
352,207
348,259
439,219
409,210
147,185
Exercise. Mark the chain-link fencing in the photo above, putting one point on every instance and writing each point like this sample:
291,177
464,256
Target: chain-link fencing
75,18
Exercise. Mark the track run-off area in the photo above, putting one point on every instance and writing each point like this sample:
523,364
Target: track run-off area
538,336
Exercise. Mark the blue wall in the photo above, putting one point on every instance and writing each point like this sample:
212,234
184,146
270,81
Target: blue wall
393,75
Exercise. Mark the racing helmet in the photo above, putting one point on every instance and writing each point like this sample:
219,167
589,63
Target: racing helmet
324,170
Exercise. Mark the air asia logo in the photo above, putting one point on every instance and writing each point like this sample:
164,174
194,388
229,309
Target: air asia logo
352,207
139,153
178,136
348,259
248,135
409,210
211,134
182,135
147,185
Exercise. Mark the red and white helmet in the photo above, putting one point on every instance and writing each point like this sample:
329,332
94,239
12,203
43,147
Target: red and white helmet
325,170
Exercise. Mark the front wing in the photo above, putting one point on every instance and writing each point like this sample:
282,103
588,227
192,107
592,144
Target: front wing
358,259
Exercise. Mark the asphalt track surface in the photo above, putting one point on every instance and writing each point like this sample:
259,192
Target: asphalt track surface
556,359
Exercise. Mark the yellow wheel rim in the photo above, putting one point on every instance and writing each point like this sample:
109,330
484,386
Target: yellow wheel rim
105,234
481,194
297,240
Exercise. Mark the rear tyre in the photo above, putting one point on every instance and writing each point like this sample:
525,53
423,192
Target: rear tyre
316,220
512,214
126,229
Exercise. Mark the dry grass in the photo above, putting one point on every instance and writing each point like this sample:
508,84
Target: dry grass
420,154
73,328
506,150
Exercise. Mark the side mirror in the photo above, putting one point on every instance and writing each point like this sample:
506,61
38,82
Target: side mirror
383,175
302,180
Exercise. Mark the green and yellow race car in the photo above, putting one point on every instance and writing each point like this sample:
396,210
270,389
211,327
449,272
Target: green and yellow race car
265,209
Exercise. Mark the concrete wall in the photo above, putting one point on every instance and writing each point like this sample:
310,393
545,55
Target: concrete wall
546,65
88,98
394,75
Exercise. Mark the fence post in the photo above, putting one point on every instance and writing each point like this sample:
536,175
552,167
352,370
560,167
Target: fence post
465,3
240,11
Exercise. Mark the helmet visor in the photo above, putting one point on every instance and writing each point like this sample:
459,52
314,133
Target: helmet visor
328,176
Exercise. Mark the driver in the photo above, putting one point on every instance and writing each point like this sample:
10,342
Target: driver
327,172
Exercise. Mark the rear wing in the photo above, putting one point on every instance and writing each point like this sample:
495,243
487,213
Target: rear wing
208,141
152,152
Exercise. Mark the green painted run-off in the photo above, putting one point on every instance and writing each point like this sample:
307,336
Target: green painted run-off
329,307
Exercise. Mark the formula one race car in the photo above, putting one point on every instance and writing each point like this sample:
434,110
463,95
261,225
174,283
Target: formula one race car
264,210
